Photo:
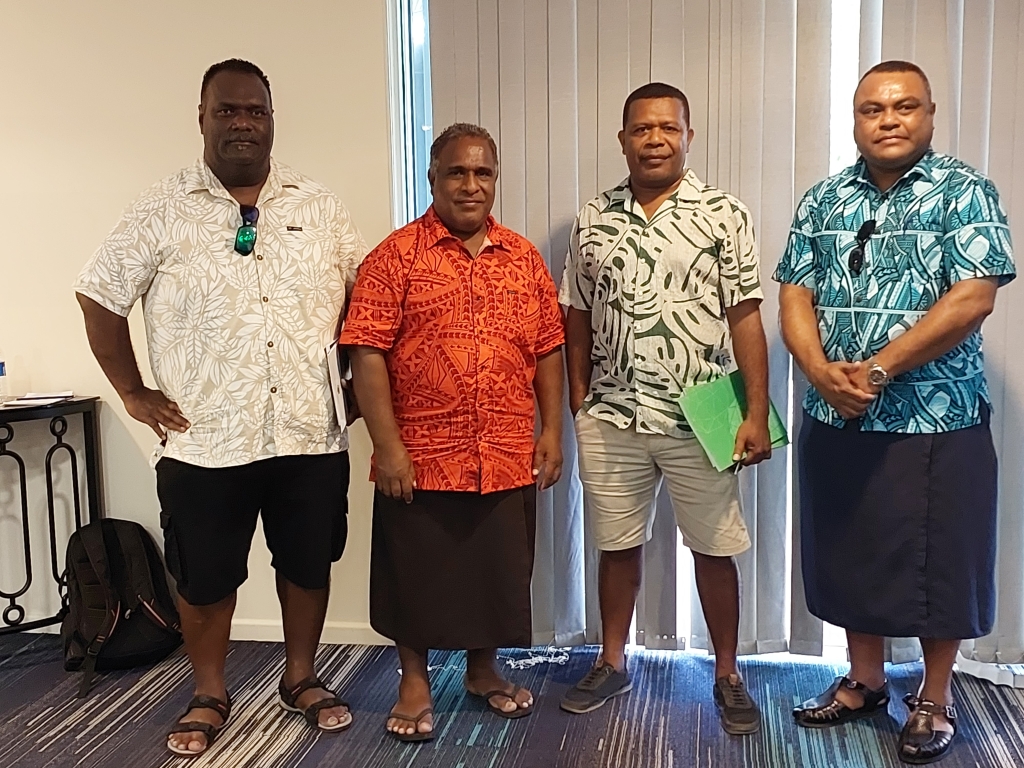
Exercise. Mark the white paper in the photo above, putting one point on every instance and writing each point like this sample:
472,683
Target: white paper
47,395
34,403
337,391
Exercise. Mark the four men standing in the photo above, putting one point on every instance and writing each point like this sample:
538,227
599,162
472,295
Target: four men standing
455,333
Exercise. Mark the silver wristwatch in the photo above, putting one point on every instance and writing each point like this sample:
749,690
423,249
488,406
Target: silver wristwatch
877,375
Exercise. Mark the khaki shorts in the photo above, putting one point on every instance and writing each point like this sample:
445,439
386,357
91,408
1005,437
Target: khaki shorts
622,471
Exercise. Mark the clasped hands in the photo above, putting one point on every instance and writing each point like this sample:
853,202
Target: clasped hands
845,387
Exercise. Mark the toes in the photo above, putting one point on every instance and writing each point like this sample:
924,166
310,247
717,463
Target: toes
332,717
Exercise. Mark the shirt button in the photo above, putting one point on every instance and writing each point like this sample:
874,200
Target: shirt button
265,299
270,343
259,257
273,390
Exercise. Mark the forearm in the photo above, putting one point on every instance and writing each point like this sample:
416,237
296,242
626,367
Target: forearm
373,393
800,331
111,344
549,389
751,350
952,319
579,345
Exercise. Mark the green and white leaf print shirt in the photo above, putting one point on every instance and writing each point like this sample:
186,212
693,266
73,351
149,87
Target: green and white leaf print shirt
658,289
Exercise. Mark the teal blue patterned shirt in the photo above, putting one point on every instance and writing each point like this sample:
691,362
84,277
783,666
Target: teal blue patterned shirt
939,224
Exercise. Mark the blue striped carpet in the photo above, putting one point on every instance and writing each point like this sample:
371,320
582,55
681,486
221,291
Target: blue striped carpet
667,722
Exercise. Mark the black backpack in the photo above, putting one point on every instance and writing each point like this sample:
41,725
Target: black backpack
119,612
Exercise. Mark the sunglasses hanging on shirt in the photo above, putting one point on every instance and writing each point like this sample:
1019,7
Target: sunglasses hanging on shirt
245,237
856,263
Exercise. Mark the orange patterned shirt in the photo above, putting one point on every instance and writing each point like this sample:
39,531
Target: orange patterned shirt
462,336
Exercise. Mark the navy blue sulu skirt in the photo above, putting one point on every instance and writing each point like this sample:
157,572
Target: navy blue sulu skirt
898,531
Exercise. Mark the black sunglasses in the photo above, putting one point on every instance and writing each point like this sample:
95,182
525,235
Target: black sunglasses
245,237
856,263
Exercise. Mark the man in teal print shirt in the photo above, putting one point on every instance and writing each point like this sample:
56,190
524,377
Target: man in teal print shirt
891,267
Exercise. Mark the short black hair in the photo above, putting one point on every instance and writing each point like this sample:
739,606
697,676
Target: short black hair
234,65
656,91
452,133
898,65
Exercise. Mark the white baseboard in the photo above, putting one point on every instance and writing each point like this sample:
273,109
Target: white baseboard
335,632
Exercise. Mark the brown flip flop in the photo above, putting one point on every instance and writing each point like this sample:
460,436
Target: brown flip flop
416,735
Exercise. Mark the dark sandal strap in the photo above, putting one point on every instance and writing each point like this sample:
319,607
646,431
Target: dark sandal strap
291,693
414,720
510,695
929,707
207,729
202,701
312,712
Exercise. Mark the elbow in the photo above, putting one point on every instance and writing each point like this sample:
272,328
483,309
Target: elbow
980,309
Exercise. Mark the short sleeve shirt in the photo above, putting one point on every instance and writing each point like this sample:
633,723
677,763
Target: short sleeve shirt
236,341
462,336
939,224
658,289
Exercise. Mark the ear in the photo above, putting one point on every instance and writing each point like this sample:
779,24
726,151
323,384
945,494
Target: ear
622,140
200,117
689,139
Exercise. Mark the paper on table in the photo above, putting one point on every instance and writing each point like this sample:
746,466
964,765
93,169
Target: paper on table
32,403
715,411
337,390
47,395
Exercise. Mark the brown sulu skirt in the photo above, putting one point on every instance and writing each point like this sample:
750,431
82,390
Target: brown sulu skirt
452,570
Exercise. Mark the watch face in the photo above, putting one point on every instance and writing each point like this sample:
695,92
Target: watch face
877,377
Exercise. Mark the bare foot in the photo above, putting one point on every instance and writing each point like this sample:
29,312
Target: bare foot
478,685
413,698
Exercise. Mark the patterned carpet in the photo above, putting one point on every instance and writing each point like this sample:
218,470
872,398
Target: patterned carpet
668,721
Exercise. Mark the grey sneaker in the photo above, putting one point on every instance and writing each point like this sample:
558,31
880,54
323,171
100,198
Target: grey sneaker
738,712
600,684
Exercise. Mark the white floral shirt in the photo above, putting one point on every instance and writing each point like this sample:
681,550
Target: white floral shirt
236,341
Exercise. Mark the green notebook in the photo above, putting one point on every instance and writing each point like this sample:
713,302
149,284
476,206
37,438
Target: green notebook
715,411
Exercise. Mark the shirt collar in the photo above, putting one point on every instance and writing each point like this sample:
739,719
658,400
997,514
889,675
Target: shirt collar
436,231
689,190
200,178
921,170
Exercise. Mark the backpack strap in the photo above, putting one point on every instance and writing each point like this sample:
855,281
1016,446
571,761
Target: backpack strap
96,550
139,573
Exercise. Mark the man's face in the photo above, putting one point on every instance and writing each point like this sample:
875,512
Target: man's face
655,142
236,121
463,185
893,119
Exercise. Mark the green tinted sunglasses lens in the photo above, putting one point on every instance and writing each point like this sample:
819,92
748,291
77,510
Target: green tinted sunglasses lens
245,239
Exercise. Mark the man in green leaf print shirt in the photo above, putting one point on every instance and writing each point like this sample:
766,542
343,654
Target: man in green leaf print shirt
891,267
662,273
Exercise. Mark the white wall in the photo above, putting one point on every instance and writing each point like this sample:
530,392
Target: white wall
99,102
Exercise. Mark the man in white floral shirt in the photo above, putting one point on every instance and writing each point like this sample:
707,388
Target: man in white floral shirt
243,266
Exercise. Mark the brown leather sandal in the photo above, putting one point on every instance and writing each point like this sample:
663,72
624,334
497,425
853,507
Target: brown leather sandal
210,731
920,742
289,703
825,710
